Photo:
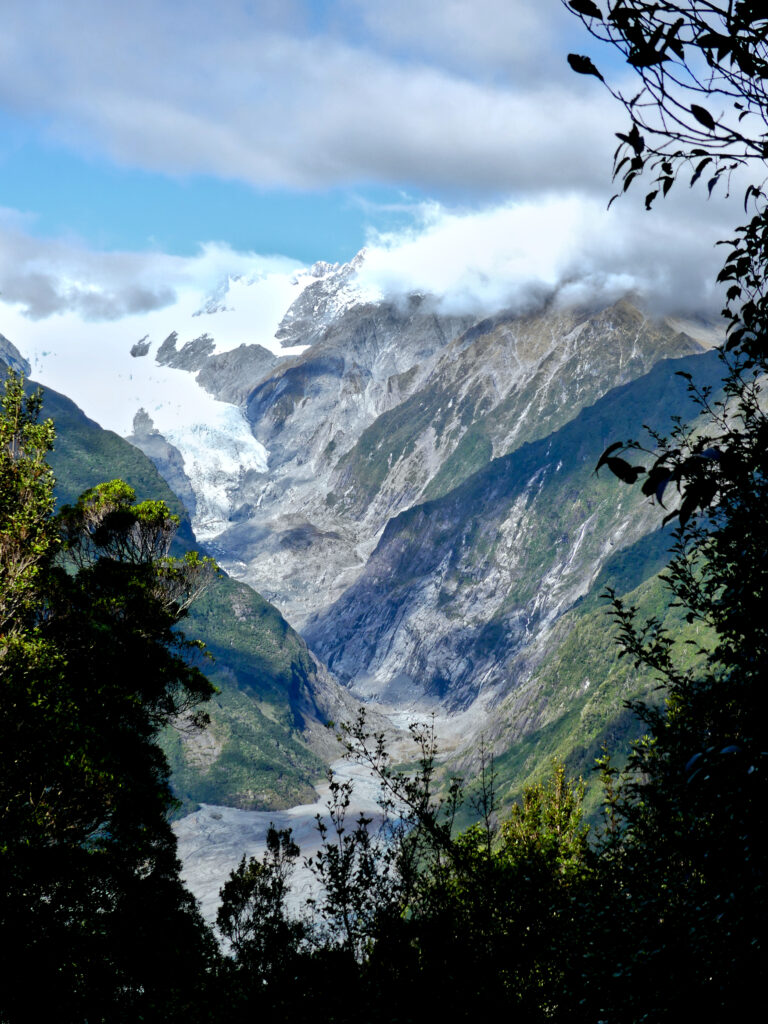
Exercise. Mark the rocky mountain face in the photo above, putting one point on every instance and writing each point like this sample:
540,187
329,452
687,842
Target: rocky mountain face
228,376
166,457
417,499
462,590
11,357
428,517
394,406
286,539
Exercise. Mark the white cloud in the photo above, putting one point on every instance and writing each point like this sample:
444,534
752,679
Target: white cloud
569,248
259,94
44,277
76,314
486,37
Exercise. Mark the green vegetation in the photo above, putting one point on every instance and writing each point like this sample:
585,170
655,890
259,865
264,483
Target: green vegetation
661,918
551,480
245,760
391,438
256,757
583,688
91,668
466,924
473,451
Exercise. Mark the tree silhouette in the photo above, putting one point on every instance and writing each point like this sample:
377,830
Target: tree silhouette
686,864
91,667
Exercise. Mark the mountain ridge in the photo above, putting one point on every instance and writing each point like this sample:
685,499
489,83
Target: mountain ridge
423,510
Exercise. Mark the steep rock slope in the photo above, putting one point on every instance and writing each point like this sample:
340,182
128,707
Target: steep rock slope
504,382
415,492
228,376
462,591
284,539
392,406
572,692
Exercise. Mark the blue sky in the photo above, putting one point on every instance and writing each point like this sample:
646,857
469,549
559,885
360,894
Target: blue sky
110,206
112,121
305,129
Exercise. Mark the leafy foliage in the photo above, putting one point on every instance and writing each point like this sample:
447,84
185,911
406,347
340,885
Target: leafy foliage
260,665
252,916
91,668
692,57
263,671
686,867
409,913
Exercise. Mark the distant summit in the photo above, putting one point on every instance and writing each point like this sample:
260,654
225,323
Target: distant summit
10,356
332,291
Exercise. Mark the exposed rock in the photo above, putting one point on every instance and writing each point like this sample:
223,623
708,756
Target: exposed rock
330,294
141,347
426,511
192,356
458,588
11,356
231,376
167,458
392,406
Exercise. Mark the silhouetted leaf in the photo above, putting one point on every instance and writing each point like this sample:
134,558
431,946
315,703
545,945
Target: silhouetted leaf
692,761
623,470
709,40
703,116
658,478
608,451
583,66
699,168
633,139
672,41
713,454
586,7
646,57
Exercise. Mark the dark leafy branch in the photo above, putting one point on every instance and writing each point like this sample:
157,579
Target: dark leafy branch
702,68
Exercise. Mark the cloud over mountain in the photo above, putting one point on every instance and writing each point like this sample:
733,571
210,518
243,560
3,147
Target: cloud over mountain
45,277
569,248
512,255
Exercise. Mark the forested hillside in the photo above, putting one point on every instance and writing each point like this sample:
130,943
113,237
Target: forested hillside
266,743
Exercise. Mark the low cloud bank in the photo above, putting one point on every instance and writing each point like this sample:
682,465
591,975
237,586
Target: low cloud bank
567,249
45,277
515,256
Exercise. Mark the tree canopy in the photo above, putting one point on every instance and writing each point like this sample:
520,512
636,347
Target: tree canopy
661,917
91,667
684,853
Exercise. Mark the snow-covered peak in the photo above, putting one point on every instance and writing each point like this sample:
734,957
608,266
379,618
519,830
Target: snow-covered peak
157,360
329,290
